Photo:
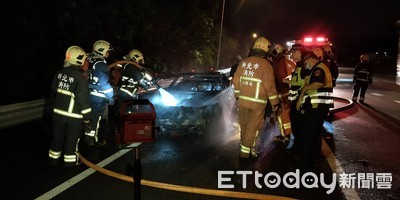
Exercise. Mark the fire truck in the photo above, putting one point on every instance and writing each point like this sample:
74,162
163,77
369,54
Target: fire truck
313,42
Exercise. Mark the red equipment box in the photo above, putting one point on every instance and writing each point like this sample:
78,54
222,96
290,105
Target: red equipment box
137,122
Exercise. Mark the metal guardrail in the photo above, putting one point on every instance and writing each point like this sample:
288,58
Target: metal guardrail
19,113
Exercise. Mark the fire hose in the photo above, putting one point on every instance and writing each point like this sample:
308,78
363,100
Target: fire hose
181,188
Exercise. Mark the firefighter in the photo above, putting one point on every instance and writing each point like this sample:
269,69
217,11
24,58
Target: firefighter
101,90
283,69
330,62
133,77
254,86
314,102
297,81
71,108
362,77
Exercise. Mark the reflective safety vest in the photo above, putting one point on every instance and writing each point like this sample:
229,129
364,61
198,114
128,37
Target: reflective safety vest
296,83
322,97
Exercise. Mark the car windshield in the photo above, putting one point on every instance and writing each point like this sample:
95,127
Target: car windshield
198,83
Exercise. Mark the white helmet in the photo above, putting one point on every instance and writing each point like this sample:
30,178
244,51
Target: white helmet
136,56
262,44
101,47
75,55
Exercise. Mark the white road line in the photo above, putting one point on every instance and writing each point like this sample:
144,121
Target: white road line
74,180
349,193
397,101
377,94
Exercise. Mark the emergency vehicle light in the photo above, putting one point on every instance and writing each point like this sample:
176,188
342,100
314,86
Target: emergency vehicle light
315,41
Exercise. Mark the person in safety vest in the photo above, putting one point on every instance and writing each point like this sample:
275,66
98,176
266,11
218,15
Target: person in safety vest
71,108
297,81
314,101
362,77
330,62
101,90
283,69
254,86
133,77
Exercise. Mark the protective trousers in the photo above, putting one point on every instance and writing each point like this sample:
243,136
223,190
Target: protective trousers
250,122
285,127
92,135
360,86
66,137
311,141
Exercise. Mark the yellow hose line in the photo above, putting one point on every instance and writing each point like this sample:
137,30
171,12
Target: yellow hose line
181,188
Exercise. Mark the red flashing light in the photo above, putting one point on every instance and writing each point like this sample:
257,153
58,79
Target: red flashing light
311,41
308,39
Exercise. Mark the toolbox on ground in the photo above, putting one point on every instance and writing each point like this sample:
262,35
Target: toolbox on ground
137,122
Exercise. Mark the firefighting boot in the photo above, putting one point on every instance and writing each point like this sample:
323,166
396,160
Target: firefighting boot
281,138
354,99
291,142
362,99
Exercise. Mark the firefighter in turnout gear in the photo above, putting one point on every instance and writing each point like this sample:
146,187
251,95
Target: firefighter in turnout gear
71,108
254,86
362,77
314,101
283,69
132,78
101,90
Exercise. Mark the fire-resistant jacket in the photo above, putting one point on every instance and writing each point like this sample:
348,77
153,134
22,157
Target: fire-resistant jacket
99,80
254,83
321,97
130,78
71,101
363,73
283,69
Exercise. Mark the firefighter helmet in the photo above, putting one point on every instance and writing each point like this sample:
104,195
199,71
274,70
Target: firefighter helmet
136,56
101,47
75,55
318,52
262,44
278,49
364,58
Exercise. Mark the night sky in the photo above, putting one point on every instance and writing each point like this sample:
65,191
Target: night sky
370,25
34,44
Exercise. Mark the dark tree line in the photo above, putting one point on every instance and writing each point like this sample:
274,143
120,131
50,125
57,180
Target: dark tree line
173,36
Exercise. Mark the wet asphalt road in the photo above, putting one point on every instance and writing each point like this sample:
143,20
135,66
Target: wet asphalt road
365,140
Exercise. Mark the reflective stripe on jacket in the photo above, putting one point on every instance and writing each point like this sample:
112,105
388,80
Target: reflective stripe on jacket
71,94
322,96
99,79
254,83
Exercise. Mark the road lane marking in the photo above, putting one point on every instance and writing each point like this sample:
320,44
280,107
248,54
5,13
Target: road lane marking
377,94
397,101
74,180
349,193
